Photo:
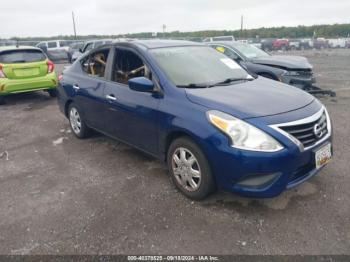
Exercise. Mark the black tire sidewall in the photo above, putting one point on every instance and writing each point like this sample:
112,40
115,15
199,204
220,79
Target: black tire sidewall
2,100
52,92
207,185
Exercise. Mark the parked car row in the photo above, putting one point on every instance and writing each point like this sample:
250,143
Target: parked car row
58,50
284,44
302,44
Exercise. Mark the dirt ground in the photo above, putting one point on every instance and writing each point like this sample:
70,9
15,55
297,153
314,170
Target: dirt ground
61,195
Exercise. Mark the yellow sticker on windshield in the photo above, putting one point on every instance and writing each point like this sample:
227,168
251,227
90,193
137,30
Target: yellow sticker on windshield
220,49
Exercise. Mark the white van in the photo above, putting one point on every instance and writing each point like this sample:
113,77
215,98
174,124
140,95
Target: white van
219,38
54,45
55,49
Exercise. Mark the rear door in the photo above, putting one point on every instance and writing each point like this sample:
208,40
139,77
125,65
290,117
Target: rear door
88,87
23,63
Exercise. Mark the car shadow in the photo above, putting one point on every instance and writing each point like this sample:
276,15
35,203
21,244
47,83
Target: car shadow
32,100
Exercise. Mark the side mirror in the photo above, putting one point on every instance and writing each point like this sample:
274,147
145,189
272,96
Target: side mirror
141,84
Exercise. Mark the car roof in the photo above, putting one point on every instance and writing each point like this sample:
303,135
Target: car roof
97,40
13,47
165,43
228,43
156,43
152,43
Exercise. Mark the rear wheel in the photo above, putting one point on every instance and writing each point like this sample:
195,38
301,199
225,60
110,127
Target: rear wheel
77,123
2,100
189,169
52,92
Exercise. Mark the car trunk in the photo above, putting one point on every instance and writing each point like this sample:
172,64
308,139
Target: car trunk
21,64
25,70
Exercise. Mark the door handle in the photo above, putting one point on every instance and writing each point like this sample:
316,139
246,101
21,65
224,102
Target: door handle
111,97
76,87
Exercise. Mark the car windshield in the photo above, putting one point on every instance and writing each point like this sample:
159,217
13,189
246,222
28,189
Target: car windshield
197,65
250,51
21,56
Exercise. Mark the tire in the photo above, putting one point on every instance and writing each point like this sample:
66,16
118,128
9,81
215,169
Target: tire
190,173
77,123
52,92
2,100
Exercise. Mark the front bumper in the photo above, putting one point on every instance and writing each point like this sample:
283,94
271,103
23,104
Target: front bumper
278,171
298,81
266,174
13,86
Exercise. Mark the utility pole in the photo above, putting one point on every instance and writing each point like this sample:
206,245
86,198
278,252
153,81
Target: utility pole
242,26
164,28
74,28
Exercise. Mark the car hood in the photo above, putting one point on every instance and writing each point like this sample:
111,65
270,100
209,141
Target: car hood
288,62
257,98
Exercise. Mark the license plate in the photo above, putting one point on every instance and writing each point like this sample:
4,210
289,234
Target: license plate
323,156
26,72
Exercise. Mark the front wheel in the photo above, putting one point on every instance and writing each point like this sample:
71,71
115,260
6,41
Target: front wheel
189,169
77,123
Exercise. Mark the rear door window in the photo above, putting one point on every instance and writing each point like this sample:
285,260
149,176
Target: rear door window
63,43
51,44
98,43
21,56
95,63
42,45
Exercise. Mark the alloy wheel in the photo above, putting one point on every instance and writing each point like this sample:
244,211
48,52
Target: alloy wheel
186,169
75,120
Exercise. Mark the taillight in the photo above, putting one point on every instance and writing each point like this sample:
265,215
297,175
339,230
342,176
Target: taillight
50,66
2,74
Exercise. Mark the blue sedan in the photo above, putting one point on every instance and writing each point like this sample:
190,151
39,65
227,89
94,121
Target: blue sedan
214,125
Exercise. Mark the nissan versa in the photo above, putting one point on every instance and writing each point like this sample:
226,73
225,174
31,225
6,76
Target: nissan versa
25,69
214,124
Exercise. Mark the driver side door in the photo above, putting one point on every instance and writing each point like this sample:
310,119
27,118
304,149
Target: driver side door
131,116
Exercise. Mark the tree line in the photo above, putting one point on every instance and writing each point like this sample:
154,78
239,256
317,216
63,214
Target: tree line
327,31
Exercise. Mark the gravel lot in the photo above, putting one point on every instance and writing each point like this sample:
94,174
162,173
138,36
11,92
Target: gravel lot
61,195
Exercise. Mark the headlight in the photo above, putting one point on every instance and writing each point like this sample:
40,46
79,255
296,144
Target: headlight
242,134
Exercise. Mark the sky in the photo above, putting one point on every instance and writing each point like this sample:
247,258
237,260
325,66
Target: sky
24,18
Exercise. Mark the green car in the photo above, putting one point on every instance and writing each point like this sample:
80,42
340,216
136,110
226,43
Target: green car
25,69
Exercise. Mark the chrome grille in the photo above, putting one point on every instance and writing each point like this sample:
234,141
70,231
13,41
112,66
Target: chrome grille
309,133
306,73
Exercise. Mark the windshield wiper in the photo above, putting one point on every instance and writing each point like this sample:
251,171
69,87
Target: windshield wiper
225,82
231,80
194,86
